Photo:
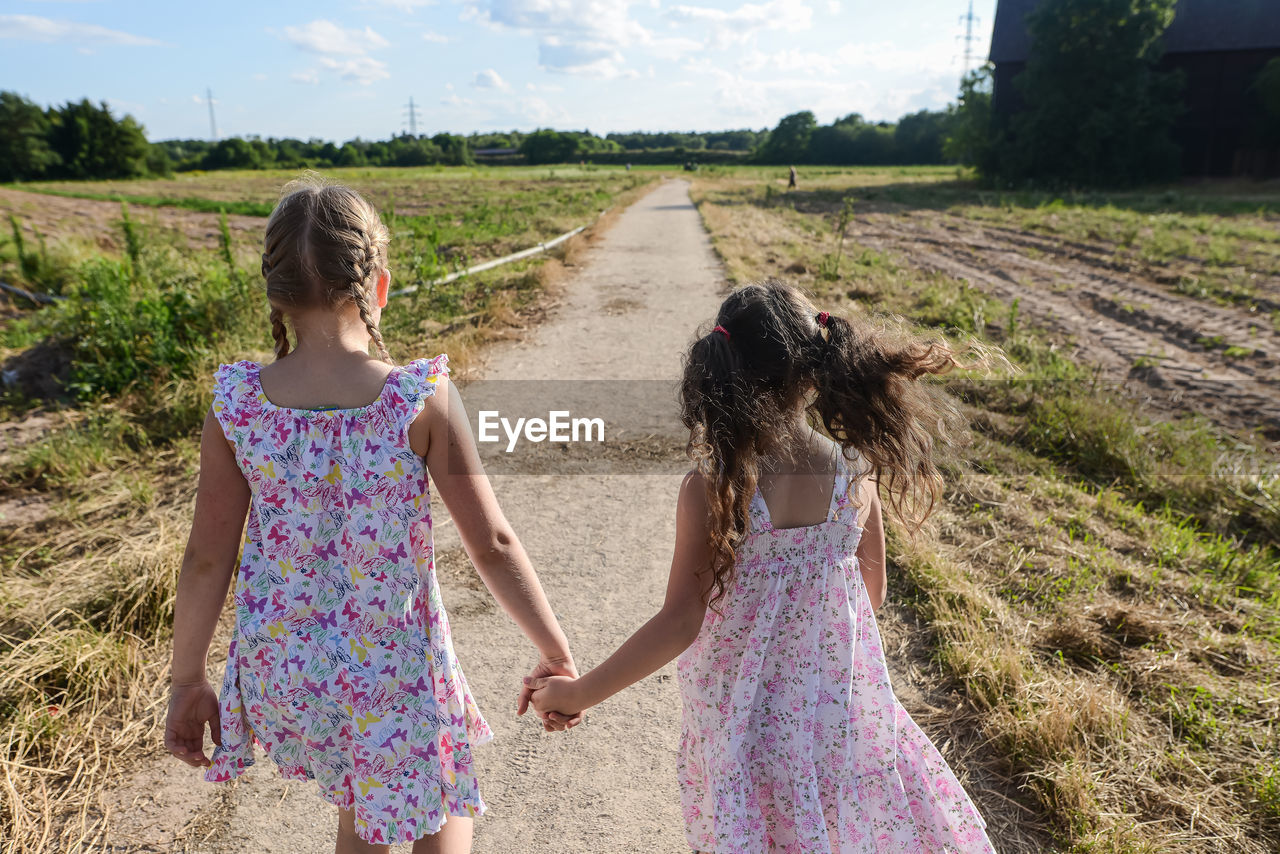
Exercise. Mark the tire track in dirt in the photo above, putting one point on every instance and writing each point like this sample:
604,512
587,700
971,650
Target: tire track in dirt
1111,319
1105,256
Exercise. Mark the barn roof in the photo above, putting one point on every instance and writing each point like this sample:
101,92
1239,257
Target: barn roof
1198,25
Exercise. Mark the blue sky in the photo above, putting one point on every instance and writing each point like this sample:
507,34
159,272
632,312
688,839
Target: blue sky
338,69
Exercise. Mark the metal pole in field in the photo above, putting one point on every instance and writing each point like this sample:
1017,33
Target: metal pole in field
968,37
413,118
213,124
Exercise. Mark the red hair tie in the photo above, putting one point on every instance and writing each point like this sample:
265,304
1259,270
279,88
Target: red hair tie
823,317
723,331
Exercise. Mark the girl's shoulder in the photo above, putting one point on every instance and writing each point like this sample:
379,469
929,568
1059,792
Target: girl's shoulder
234,384
418,380
428,369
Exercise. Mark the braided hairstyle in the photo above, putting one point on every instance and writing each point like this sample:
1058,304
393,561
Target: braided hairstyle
772,355
325,246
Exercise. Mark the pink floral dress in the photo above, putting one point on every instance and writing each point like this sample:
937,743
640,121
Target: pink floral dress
793,739
341,666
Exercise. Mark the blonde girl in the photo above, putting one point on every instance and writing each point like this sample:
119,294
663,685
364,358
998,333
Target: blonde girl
341,665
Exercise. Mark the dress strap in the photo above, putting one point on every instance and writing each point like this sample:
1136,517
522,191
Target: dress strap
759,512
840,498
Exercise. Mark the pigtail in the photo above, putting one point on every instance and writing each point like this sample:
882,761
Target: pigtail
366,273
720,410
869,399
279,333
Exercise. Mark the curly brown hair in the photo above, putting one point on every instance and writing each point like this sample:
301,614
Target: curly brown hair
772,355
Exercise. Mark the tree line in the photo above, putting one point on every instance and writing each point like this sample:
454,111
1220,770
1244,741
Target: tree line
84,140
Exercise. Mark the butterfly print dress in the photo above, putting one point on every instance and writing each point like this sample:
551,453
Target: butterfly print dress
341,666
793,740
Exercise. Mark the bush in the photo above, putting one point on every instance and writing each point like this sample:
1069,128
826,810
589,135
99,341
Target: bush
125,324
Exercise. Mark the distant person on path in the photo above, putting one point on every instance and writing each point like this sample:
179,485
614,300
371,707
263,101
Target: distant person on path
791,179
792,737
341,665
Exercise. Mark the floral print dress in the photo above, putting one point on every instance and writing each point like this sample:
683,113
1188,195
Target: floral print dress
341,666
792,739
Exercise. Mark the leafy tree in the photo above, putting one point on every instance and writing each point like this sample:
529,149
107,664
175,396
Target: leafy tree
1097,111
549,146
233,153
24,139
91,143
970,136
919,137
789,141
1267,90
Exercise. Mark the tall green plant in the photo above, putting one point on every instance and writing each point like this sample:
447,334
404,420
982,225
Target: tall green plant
224,241
26,263
971,140
132,242
1098,113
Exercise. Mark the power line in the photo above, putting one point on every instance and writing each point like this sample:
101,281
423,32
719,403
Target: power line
413,118
213,123
969,38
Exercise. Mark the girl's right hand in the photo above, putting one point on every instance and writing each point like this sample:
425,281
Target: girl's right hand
191,707
551,721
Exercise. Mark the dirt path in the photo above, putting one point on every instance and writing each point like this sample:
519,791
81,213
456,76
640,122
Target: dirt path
601,543
1137,331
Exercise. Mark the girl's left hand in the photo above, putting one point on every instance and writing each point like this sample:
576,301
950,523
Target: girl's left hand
551,721
555,695
191,707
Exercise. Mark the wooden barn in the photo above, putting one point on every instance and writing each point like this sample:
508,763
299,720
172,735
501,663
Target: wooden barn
1220,45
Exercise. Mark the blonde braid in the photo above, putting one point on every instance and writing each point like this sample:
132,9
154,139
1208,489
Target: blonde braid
279,333
366,273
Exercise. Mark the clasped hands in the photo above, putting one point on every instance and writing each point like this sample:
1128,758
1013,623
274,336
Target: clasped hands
547,689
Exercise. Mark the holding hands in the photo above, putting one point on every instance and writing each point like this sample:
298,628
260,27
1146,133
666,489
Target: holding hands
551,694
558,671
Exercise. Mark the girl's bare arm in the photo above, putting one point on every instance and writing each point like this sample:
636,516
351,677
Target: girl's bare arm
667,634
222,501
444,434
871,560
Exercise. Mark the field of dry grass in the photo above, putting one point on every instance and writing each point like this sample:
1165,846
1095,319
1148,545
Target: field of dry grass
1094,615
100,417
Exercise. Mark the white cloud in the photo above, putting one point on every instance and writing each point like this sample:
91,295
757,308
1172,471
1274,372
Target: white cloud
763,102
402,5
675,47
574,36
807,62
737,25
590,59
538,111
327,38
310,77
361,69
833,6
34,28
936,58
260,77
488,79
434,37
455,101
